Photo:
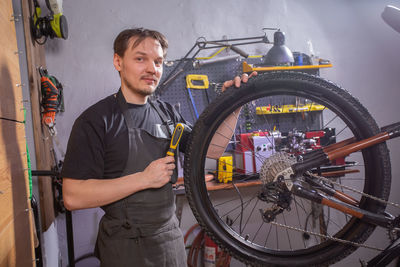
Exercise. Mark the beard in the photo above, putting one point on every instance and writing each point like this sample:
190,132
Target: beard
141,91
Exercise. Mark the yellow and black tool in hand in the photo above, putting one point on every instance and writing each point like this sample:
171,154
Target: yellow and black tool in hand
176,137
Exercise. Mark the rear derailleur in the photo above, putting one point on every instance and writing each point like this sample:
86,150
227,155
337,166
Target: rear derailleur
276,193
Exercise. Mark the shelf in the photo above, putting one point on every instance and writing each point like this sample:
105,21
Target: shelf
214,186
249,68
281,109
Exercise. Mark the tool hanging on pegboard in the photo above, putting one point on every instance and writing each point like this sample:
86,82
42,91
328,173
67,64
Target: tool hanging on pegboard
52,103
53,25
198,82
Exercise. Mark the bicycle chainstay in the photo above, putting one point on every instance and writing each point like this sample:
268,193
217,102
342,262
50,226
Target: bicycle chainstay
356,191
323,179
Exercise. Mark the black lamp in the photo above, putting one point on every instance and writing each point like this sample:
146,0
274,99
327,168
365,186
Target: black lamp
279,54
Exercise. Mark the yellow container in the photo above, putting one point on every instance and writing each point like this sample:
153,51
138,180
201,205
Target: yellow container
225,168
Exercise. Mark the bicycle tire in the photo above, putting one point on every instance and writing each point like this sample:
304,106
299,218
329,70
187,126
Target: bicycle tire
357,119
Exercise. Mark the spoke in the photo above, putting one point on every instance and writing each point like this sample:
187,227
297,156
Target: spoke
277,238
228,126
269,232
236,207
241,214
269,127
242,208
342,130
301,205
298,219
224,136
258,230
327,236
287,232
326,217
236,115
326,125
251,213
308,215
312,103
225,202
216,146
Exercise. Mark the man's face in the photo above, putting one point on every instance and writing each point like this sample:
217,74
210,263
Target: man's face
141,67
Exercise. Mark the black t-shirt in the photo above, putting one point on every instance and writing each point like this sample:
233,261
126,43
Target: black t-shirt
98,145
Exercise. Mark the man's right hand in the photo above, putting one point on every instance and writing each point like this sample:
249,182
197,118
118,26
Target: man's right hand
159,172
238,80
91,193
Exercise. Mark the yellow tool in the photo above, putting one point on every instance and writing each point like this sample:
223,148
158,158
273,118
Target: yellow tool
176,137
197,77
189,85
225,169
280,109
249,68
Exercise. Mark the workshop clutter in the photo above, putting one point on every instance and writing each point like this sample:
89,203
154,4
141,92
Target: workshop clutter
203,251
196,80
225,169
251,149
52,97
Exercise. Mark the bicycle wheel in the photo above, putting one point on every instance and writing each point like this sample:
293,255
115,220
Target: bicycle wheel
294,113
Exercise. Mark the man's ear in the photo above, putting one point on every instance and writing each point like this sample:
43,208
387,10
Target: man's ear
117,62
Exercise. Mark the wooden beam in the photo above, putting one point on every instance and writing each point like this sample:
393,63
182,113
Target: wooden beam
16,224
11,104
43,142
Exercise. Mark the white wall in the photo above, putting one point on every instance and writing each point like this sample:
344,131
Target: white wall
363,49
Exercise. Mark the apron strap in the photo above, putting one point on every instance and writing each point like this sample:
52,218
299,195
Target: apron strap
124,106
164,118
128,117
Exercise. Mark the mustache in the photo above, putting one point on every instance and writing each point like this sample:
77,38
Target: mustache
153,77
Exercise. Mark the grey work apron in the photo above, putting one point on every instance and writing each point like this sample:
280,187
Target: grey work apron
141,229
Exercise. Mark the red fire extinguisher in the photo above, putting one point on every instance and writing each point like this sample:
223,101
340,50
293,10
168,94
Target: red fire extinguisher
210,252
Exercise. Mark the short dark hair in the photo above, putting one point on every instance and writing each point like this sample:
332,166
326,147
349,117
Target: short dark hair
122,41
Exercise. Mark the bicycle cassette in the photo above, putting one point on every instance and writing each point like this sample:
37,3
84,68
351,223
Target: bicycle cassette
274,165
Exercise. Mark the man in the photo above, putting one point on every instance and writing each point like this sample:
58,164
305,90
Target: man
116,160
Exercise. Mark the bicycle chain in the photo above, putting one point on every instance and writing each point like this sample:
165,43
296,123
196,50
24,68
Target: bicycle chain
326,236
334,238
359,192
356,191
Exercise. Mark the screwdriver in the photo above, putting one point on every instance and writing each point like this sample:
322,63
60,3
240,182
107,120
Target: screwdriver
176,137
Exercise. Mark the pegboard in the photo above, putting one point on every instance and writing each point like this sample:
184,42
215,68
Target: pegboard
176,93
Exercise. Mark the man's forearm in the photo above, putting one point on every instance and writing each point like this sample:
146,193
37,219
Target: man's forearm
91,193
223,135
226,130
